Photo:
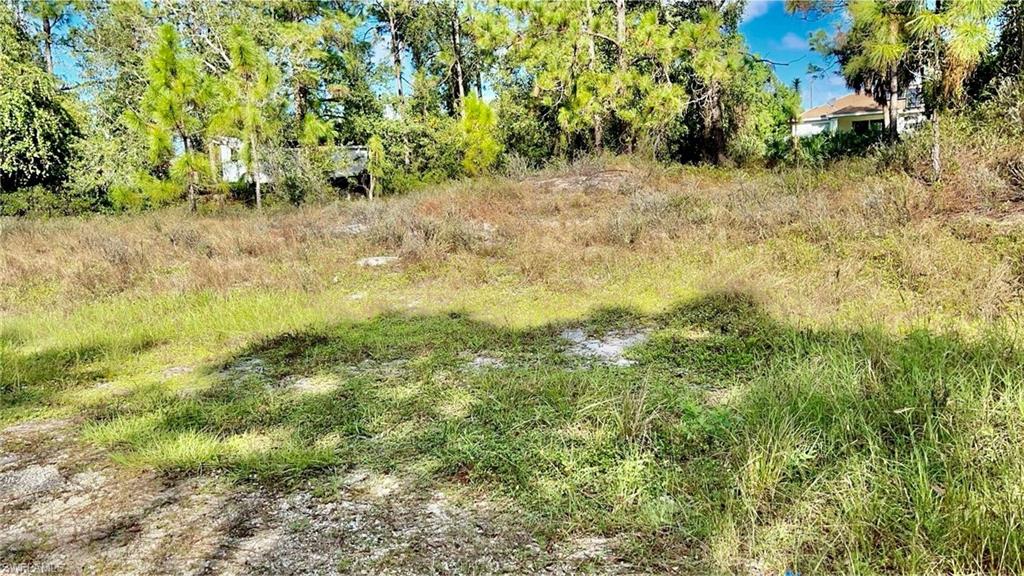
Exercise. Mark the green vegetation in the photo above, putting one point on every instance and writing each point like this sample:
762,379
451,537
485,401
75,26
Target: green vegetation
251,103
830,448
822,368
832,381
447,90
37,128
175,93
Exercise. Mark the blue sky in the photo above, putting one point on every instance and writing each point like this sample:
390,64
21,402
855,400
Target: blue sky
781,37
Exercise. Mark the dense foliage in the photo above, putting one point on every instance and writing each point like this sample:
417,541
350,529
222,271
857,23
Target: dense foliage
37,129
447,89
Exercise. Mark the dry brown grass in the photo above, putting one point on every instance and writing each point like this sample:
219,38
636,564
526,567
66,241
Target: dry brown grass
824,238
982,164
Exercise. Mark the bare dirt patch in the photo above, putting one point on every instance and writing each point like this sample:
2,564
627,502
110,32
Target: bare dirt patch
376,261
609,180
316,384
483,361
610,348
68,509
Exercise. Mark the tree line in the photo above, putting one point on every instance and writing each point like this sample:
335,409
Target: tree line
118,103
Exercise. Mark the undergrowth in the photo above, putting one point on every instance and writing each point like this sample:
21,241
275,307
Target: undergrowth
833,380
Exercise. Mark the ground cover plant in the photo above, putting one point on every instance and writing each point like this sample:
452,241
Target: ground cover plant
709,370
510,286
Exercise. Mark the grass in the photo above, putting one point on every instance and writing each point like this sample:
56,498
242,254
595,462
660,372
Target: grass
833,380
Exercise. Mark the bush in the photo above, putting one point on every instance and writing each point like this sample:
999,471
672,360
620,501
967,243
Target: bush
419,149
37,132
827,146
144,191
1006,107
525,131
301,174
481,148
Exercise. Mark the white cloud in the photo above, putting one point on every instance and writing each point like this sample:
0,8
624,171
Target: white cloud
793,42
755,9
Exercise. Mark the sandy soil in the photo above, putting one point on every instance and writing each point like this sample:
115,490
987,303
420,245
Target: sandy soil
66,508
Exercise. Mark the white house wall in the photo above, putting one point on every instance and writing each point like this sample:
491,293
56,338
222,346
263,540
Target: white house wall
810,128
905,122
909,121
234,170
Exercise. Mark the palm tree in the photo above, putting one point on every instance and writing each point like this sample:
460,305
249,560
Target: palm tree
878,50
951,40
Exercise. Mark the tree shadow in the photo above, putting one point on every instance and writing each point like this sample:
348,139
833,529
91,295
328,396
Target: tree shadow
34,380
732,435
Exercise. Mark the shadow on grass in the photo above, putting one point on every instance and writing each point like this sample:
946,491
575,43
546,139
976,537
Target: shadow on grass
35,380
733,436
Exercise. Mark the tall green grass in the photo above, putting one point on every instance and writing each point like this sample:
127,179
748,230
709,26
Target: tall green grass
735,440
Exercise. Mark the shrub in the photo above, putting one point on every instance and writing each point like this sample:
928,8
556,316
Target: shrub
525,131
37,131
144,191
481,148
419,149
301,174
827,146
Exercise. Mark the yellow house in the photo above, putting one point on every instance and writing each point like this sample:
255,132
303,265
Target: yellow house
856,113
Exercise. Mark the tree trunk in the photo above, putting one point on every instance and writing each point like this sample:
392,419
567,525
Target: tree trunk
714,134
937,63
892,98
259,197
373,184
886,119
620,31
396,51
255,171
48,43
620,38
719,131
457,52
300,108
479,60
190,177
592,65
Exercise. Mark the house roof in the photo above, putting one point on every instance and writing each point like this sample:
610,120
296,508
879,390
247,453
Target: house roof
844,106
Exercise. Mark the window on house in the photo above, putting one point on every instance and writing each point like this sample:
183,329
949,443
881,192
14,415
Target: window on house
865,126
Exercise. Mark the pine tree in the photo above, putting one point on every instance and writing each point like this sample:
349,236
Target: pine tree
714,59
313,40
478,126
171,111
250,105
51,14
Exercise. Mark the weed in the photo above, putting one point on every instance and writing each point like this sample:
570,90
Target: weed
832,381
